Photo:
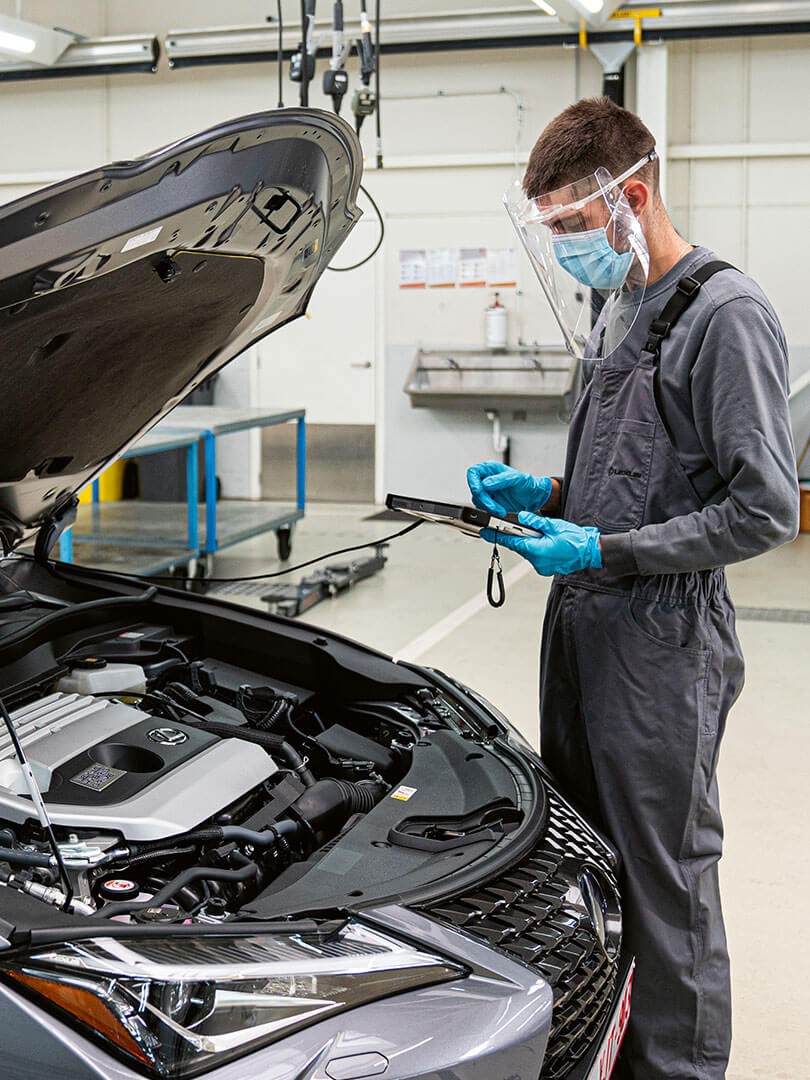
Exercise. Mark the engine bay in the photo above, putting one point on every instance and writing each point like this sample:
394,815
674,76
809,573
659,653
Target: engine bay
211,766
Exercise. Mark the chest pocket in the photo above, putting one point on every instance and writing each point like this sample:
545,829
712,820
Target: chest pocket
626,476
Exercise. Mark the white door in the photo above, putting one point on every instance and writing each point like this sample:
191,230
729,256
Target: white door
325,360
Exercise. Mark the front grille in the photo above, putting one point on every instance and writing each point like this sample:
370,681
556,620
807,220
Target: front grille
535,912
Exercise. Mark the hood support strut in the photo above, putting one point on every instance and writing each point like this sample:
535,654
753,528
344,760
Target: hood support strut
52,528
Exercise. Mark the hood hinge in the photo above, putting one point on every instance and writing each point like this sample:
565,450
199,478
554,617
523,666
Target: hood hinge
52,528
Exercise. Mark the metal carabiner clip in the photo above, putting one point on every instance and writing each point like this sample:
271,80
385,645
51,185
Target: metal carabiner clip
495,573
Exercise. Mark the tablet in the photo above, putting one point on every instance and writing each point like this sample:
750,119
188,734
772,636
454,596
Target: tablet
468,519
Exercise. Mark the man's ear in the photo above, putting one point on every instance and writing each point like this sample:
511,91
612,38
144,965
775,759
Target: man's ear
638,196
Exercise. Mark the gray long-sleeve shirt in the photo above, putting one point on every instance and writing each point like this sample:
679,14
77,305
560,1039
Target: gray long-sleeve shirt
723,393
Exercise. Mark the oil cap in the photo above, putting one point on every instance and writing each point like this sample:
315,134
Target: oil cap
118,888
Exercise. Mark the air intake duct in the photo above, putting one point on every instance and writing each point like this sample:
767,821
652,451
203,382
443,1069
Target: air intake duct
328,804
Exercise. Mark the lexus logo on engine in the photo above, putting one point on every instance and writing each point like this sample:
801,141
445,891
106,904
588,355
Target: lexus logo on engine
167,736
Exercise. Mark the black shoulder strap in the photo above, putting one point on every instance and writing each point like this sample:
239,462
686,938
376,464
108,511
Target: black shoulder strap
685,292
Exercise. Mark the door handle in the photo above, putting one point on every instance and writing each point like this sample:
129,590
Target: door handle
367,364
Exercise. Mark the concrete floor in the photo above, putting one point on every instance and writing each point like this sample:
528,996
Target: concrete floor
428,605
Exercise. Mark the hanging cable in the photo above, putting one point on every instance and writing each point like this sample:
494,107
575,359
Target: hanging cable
280,56
377,246
377,83
76,568
304,93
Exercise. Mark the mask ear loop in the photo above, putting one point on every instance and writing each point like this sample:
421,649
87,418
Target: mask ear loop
495,573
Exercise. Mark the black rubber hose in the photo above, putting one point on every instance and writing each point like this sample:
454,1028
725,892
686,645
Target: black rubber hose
26,858
159,853
185,696
268,720
193,873
235,834
221,834
276,744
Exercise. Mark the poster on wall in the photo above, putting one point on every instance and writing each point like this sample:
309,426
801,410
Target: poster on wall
441,268
502,268
472,268
412,269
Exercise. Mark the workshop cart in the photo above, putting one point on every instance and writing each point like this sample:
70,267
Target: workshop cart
141,527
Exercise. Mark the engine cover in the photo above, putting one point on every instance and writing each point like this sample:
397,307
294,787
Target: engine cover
105,765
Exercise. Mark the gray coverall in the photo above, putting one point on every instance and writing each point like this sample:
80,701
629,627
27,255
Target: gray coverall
683,471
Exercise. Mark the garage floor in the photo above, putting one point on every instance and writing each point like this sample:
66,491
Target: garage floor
428,605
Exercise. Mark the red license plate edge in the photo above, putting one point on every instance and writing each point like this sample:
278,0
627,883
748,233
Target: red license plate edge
611,1044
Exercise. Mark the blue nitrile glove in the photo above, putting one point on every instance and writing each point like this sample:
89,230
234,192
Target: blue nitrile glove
499,489
562,549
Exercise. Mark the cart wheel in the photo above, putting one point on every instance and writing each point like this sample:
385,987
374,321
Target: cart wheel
196,584
284,542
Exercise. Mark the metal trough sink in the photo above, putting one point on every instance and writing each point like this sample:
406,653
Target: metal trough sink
520,378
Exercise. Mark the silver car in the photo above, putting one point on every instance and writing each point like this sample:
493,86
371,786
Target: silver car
232,845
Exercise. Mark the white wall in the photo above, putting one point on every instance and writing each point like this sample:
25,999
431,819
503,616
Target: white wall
739,172
738,176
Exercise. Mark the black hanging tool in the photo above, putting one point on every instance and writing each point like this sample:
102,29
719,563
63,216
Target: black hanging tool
335,78
495,574
302,63
364,101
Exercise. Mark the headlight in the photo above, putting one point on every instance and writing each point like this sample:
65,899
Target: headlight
181,1005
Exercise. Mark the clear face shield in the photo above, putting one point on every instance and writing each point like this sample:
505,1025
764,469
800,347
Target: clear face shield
587,248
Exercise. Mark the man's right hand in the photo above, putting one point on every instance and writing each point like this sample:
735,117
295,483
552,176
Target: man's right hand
499,489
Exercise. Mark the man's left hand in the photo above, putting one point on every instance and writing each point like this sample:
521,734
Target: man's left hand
561,549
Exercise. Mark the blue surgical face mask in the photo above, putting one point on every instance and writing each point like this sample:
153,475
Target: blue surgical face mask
588,257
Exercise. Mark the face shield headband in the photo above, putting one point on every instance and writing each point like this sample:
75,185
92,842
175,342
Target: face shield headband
587,248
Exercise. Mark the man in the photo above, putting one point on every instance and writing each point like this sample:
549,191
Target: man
680,460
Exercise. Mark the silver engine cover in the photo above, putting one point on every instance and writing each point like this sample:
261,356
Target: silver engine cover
60,726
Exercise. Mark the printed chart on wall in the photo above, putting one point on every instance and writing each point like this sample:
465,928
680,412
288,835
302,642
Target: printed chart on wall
472,268
502,268
412,269
441,268
463,268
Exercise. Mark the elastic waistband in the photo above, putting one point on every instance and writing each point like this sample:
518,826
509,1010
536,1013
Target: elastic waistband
694,588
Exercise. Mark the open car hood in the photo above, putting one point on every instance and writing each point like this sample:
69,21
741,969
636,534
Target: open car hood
121,289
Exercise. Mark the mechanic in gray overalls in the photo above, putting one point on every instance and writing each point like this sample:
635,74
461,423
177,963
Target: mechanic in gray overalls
680,460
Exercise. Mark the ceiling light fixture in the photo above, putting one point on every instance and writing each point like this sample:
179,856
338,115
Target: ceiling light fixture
38,44
16,43
547,8
83,56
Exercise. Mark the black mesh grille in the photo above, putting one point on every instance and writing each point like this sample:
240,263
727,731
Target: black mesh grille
535,913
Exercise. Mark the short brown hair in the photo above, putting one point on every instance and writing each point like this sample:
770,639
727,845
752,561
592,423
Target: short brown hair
593,132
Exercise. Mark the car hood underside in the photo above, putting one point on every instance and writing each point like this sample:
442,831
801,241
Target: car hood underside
123,288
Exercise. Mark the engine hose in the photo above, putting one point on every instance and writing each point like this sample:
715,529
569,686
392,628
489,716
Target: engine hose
219,834
186,898
267,721
169,891
160,853
264,705
275,744
26,858
181,693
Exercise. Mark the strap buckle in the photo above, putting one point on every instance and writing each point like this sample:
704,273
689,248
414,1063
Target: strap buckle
656,334
688,286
